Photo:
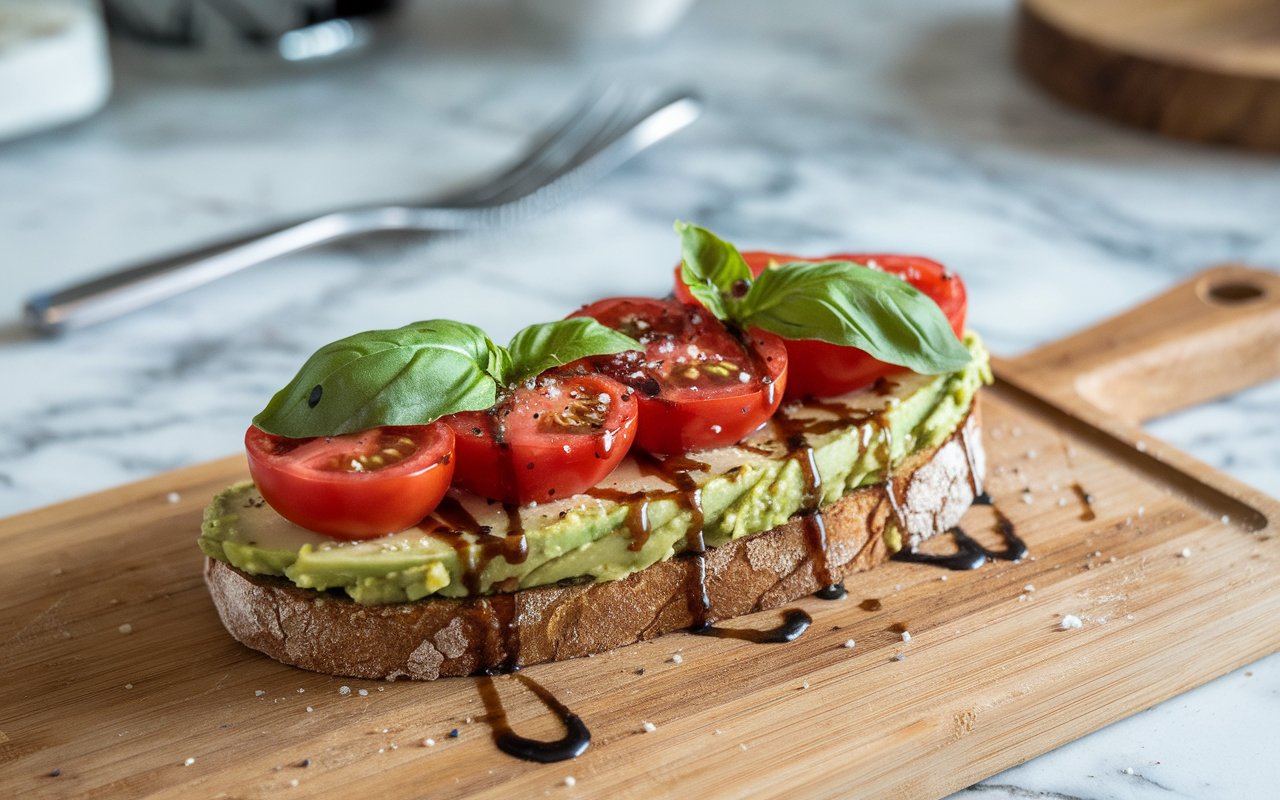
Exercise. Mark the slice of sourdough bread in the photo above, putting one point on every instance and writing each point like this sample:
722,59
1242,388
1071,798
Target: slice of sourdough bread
439,637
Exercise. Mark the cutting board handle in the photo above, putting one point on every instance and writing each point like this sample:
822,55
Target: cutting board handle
1210,336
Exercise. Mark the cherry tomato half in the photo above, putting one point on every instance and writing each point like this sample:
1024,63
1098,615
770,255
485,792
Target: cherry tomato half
357,486
550,438
821,369
698,384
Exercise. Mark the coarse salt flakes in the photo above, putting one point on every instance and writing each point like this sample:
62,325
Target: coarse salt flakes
364,692
1028,588
1070,621
648,726
849,644
344,690
677,659
1186,552
188,762
310,709
173,497
259,692
569,780
125,628
906,636
428,742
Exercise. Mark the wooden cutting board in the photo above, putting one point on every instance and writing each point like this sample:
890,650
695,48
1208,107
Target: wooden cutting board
1197,69
115,670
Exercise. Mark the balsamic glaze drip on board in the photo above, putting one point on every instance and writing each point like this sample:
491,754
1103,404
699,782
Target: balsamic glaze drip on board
1086,503
971,554
794,623
576,739
835,591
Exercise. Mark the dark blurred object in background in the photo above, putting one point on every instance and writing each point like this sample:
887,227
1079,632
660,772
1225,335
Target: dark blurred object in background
297,30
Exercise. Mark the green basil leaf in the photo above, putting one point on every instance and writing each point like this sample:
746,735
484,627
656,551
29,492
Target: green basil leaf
408,376
846,304
712,268
540,347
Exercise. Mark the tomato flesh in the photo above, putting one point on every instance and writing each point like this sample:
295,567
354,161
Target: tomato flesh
698,384
822,369
357,486
552,437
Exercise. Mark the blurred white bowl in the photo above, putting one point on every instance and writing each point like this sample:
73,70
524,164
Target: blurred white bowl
54,66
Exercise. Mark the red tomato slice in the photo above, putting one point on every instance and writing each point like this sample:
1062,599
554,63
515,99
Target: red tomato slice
821,369
357,486
555,437
698,384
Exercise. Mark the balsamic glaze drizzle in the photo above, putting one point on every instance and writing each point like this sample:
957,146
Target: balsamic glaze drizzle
835,591
1086,503
576,739
969,553
794,623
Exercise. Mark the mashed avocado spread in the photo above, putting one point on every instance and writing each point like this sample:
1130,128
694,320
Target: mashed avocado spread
745,489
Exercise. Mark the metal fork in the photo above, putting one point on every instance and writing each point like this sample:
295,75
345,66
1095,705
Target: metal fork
598,135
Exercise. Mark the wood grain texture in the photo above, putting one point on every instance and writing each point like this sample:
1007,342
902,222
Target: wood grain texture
1207,70
988,679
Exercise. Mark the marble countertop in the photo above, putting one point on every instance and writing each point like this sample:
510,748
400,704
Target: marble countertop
879,125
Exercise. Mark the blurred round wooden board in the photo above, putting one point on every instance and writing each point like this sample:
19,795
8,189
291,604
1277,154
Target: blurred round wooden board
1207,70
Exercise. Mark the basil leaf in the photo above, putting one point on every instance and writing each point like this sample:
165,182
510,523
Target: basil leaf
540,347
846,304
712,268
408,376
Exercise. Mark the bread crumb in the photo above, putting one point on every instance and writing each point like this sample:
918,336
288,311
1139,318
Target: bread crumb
293,782
188,762
743,747
428,742
1070,621
125,628
1186,552
648,726
717,732
569,780
310,709
849,644
1141,446
676,659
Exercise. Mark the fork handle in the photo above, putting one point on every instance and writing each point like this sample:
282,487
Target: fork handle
116,293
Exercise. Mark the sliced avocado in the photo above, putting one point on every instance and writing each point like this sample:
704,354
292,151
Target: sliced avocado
745,490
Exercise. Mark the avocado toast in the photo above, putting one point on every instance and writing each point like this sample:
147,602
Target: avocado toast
664,541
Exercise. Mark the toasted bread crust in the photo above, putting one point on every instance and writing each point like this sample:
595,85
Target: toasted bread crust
441,637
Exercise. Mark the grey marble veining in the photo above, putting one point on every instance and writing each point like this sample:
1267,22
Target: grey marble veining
830,126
